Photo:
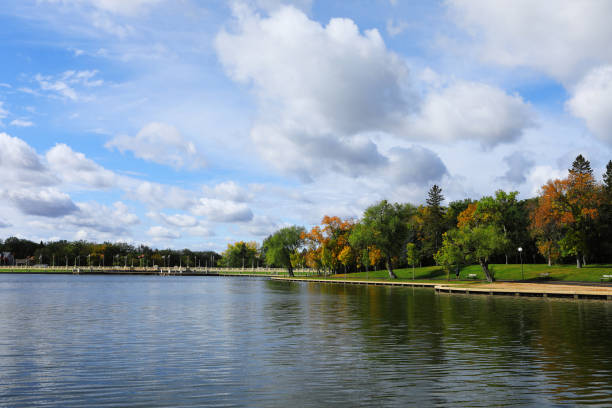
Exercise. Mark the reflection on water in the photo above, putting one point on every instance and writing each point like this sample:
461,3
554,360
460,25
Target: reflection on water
192,341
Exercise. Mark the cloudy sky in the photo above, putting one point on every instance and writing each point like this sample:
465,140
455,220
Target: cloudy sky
185,123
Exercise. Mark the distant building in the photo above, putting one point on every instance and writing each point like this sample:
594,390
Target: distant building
6,258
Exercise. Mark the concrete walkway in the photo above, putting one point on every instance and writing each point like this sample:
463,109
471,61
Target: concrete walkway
573,291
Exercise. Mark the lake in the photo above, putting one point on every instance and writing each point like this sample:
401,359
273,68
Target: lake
143,341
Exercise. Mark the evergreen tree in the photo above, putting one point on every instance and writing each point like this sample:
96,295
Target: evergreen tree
607,180
581,167
434,221
435,198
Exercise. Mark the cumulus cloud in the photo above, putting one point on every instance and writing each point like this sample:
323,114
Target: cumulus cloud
519,166
179,220
562,38
45,202
415,165
309,72
472,111
324,90
262,225
159,143
228,190
95,217
74,167
19,164
317,87
222,211
157,195
5,224
158,233
308,155
592,101
540,175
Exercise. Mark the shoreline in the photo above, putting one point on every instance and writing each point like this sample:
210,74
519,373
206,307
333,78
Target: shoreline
575,290
517,289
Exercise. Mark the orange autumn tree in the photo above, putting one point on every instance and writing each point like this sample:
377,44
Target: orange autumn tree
581,204
546,220
563,220
328,245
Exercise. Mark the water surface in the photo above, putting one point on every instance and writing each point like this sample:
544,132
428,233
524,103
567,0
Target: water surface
207,341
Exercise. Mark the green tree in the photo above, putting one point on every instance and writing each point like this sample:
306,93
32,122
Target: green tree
282,245
412,255
385,226
472,245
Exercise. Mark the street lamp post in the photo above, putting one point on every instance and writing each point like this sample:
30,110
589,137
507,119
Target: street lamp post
520,250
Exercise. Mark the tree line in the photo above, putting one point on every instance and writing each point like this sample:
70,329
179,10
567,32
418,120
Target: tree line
84,253
571,218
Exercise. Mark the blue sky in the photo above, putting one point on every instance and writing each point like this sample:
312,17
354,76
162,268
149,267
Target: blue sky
196,123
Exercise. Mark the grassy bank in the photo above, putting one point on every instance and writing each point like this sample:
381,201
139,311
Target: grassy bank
512,272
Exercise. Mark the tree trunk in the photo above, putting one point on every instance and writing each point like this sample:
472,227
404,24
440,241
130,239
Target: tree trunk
549,261
392,275
506,259
485,268
583,260
578,264
290,270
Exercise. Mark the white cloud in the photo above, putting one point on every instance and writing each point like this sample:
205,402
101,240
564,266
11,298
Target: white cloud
74,167
317,88
263,225
5,224
540,175
98,218
63,85
326,93
160,143
179,220
395,28
228,190
21,123
472,111
158,233
415,165
562,38
19,164
222,211
330,78
519,166
45,202
3,112
592,101
309,155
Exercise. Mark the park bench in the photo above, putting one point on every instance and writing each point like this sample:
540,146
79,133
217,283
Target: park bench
545,275
472,276
606,277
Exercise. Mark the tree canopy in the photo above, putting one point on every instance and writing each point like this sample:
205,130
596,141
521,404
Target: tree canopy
282,245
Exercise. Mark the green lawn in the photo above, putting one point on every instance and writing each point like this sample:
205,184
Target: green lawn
590,273
512,272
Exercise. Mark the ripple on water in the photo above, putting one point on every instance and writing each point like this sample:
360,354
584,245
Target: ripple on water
186,341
